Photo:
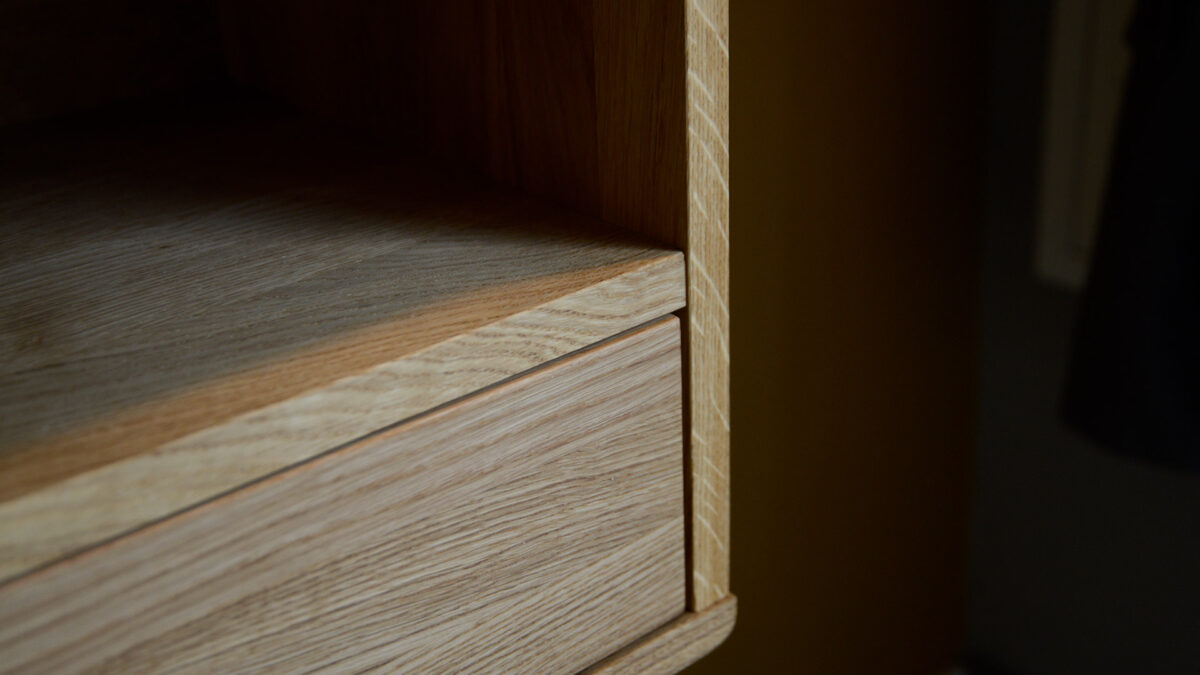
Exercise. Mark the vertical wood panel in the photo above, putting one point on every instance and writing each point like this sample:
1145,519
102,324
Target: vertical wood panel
708,294
640,117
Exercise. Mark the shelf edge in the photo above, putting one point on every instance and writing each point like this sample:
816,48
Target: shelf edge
44,526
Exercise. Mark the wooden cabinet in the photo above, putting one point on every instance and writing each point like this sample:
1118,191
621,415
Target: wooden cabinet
533,527
340,335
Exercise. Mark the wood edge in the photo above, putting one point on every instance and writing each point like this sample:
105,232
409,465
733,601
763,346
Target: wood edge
707,89
676,645
665,267
662,327
644,352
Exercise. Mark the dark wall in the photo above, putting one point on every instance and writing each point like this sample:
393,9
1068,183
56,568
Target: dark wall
1081,561
854,184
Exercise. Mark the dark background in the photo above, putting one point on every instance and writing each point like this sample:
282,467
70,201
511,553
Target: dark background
905,496
1081,561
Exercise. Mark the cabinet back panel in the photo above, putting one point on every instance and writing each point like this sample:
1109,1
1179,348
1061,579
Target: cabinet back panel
576,101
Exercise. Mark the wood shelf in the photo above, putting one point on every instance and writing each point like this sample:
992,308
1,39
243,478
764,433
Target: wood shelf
209,300
188,308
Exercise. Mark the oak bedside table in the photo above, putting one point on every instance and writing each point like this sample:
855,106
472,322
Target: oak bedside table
364,335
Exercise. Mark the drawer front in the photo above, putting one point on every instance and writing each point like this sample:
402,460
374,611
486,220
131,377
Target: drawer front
533,527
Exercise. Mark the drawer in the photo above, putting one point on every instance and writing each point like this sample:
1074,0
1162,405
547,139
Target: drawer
544,511
340,334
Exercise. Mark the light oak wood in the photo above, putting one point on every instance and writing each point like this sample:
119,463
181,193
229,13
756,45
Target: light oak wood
534,527
708,295
676,645
201,312
616,108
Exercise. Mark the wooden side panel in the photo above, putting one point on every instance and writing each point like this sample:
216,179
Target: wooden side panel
535,527
617,108
708,294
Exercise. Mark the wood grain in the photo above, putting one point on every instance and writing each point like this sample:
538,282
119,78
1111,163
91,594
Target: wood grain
708,295
576,101
640,117
534,527
195,315
615,108
674,646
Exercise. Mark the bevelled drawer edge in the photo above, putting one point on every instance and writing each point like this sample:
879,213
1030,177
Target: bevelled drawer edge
675,646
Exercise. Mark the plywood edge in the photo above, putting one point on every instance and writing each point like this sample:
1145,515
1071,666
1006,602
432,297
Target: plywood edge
92,507
707,25
676,645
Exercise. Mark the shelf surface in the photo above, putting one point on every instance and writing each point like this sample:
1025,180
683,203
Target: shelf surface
183,312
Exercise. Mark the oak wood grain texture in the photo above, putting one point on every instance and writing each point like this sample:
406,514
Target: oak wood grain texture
708,295
616,108
675,646
190,317
534,527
